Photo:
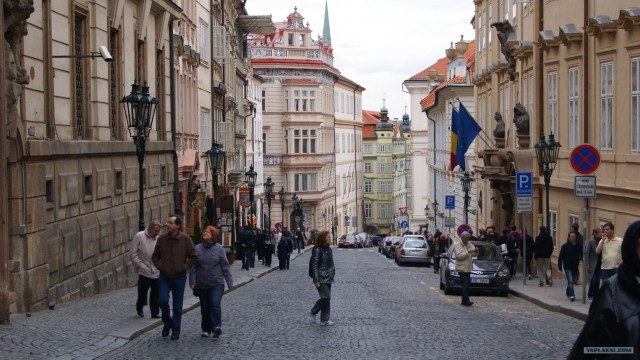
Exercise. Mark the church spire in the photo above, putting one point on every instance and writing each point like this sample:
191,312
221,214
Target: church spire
326,31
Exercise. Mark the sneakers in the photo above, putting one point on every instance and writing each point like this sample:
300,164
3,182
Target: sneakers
216,333
312,318
590,298
327,323
541,285
205,334
467,303
572,298
165,331
529,277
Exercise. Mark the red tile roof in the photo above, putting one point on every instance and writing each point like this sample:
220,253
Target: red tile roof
441,65
370,119
429,100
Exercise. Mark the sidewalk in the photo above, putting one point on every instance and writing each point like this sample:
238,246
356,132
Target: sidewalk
552,298
113,314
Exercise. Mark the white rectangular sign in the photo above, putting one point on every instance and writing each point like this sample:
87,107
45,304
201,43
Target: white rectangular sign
449,221
524,204
585,187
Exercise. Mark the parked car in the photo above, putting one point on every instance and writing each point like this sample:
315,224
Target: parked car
352,241
395,241
388,242
343,242
490,271
413,250
376,239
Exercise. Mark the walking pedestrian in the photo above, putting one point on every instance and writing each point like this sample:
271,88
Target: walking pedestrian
580,242
283,252
207,278
570,257
300,238
542,255
267,248
174,254
323,270
259,245
464,264
530,247
245,241
290,240
436,250
594,262
142,247
610,248
614,316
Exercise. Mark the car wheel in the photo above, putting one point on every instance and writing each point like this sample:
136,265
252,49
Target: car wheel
429,264
447,290
504,293
400,263
441,285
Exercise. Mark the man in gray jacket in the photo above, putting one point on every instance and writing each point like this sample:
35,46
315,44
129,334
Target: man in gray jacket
141,250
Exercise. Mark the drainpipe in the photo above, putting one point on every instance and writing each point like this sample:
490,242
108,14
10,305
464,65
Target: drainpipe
426,112
539,73
586,72
355,159
4,230
172,87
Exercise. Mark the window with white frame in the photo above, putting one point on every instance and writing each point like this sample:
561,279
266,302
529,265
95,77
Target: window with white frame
552,101
286,141
286,100
384,210
606,106
385,186
368,210
204,42
408,182
368,186
305,182
366,148
635,104
385,168
573,219
489,22
574,109
553,227
304,100
384,148
205,130
304,141
368,167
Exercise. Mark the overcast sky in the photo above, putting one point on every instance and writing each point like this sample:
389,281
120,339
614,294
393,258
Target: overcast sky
379,43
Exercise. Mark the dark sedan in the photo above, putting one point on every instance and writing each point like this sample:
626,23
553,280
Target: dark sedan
490,271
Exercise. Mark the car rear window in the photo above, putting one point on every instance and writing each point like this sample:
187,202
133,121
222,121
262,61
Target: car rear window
416,244
488,253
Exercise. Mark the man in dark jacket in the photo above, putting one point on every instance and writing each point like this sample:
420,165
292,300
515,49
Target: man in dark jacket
570,257
542,254
530,247
246,242
580,242
174,254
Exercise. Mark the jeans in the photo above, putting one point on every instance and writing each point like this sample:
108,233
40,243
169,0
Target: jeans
527,264
210,307
323,305
607,273
593,284
298,244
247,258
436,263
176,287
570,273
513,266
465,277
144,283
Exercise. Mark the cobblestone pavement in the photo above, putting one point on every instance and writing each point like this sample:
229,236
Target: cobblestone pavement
381,311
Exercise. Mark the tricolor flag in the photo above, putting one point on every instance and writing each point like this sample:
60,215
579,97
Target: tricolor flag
464,130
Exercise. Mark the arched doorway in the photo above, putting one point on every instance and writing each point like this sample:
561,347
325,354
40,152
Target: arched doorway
296,219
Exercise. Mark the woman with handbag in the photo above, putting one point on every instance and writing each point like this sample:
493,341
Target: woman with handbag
207,278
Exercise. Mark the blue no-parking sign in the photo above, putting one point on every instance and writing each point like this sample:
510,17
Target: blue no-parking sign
449,201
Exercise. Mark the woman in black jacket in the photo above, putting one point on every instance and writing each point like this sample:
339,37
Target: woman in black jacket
614,315
323,271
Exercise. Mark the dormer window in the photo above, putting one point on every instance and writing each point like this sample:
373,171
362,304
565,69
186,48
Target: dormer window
301,40
290,37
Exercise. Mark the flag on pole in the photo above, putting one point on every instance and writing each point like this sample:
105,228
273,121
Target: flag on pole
468,129
454,137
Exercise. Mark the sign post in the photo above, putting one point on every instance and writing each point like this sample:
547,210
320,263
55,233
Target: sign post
524,196
584,159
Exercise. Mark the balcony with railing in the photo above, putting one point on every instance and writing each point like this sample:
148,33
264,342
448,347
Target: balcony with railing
258,51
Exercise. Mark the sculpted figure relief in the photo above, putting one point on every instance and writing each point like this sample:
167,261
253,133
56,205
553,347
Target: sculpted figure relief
521,119
498,132
505,32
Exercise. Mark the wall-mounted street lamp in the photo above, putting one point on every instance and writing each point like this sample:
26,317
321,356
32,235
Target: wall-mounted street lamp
282,194
547,153
268,185
466,187
139,109
216,159
435,214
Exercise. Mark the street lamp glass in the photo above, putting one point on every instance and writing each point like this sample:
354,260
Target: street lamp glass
250,177
435,206
542,151
216,158
282,195
553,148
426,209
268,185
139,109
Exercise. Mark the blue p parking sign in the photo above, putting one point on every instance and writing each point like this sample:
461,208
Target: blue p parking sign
450,202
524,184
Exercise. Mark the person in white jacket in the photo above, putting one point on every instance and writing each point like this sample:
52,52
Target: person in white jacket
142,248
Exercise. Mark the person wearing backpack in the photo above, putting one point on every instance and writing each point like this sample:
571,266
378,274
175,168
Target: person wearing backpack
322,270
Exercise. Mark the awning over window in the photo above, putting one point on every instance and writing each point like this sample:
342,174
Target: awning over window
188,162
255,24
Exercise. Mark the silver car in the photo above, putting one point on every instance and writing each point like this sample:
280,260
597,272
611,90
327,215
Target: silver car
413,249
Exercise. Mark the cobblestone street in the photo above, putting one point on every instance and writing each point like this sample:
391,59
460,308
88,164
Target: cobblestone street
381,312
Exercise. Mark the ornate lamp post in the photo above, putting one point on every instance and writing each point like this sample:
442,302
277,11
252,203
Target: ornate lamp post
547,153
139,109
466,187
216,158
435,214
250,177
268,185
282,193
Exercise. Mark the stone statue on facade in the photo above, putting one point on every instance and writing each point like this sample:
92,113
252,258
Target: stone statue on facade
505,34
521,120
499,131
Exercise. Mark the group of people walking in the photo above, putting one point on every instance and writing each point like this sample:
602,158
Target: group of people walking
163,263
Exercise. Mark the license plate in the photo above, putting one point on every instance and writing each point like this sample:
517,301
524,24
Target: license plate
480,281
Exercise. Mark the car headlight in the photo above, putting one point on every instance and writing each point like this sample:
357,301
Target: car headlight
453,272
503,272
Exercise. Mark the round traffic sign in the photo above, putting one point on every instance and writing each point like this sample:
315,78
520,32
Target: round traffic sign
462,228
404,224
585,159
